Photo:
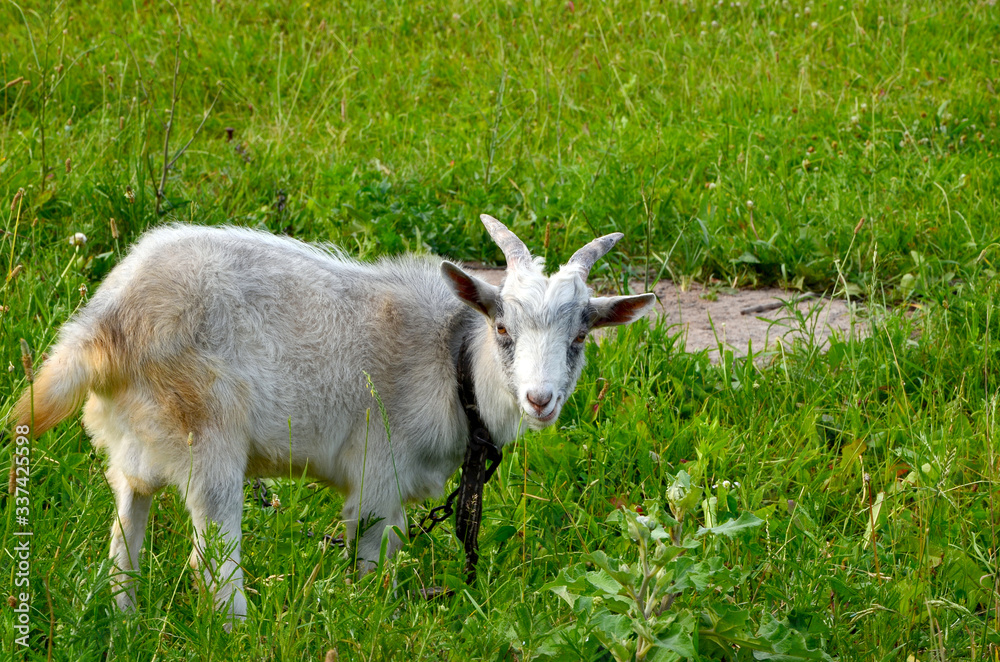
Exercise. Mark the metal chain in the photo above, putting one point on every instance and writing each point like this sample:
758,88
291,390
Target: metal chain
435,516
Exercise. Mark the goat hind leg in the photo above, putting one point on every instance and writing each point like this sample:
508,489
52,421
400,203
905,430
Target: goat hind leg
127,533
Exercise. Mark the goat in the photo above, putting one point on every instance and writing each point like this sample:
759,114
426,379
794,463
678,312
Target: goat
213,354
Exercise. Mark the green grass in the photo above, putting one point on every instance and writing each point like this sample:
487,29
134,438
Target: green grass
740,143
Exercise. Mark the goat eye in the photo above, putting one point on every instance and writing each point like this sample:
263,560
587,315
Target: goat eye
580,337
501,329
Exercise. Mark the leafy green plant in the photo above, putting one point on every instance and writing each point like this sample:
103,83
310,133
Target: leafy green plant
669,596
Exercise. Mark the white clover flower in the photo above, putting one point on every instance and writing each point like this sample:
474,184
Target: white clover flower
78,239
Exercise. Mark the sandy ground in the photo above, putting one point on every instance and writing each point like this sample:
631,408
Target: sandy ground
741,319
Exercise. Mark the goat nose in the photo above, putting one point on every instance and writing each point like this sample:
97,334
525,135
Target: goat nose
540,398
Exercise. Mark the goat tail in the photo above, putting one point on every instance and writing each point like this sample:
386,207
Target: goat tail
60,385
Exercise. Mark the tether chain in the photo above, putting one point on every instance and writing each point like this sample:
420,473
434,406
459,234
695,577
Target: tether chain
475,473
441,513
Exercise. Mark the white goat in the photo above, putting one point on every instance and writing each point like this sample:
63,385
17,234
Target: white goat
213,354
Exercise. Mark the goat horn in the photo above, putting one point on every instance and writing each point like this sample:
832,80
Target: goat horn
585,258
513,248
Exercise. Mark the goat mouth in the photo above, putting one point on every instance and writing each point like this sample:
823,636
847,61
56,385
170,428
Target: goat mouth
551,416
539,421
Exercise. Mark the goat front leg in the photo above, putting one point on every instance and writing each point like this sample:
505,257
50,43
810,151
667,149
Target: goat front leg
380,509
215,496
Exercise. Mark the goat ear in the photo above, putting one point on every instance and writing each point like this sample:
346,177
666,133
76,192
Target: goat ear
612,311
477,293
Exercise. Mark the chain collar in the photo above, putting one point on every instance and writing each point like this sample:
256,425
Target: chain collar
475,473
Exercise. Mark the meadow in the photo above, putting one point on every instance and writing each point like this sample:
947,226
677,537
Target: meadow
797,504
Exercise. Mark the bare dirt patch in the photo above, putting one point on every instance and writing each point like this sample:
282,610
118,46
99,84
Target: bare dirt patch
739,320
